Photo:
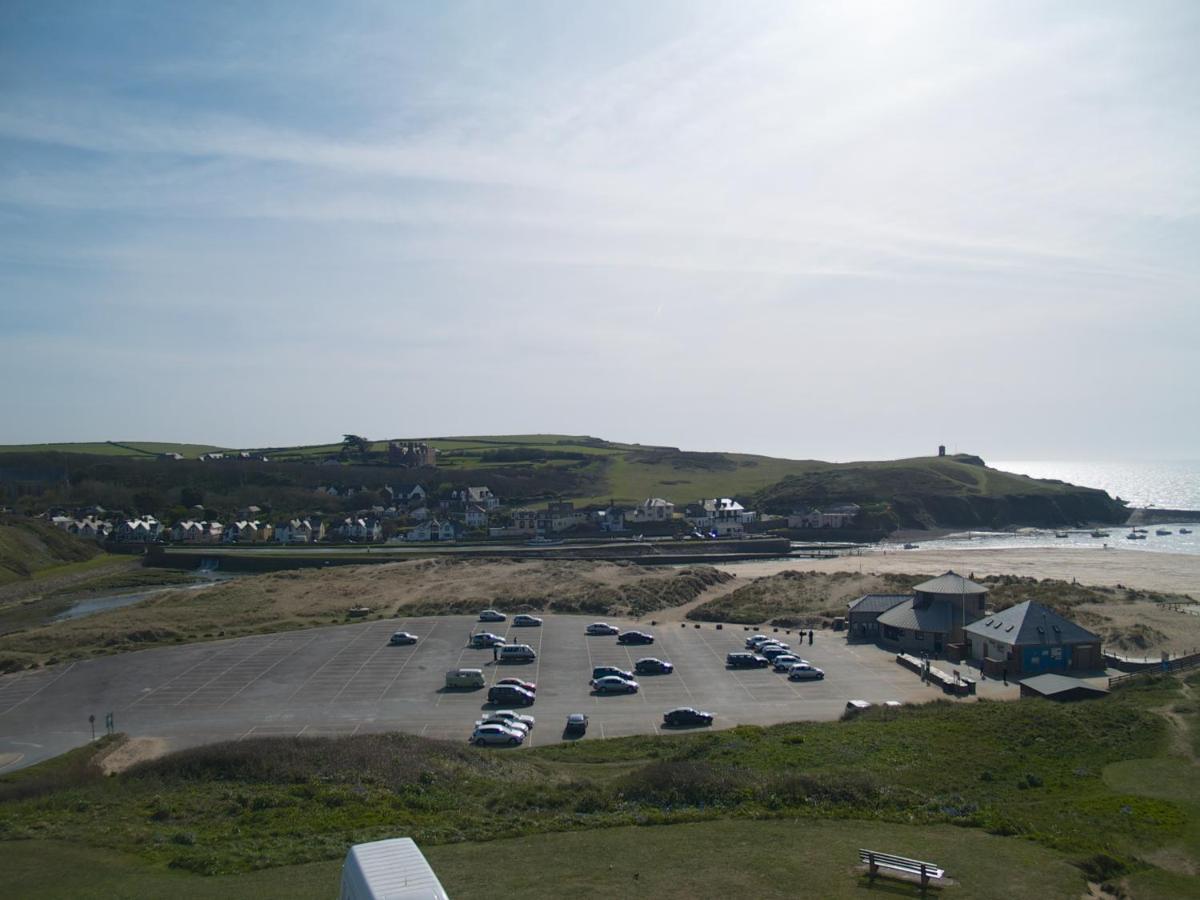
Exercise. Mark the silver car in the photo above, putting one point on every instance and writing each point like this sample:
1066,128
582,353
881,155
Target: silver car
496,734
507,723
492,615
509,715
602,628
805,672
612,684
785,662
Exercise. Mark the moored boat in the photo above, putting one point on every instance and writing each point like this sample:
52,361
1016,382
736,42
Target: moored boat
1162,532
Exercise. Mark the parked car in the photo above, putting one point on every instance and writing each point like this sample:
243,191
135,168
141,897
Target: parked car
507,693
577,723
602,628
635,637
651,666
402,637
492,615
496,734
524,621
785,662
854,707
805,672
773,651
738,660
517,682
611,684
464,678
686,715
485,639
754,640
602,671
517,653
514,725
513,716
892,704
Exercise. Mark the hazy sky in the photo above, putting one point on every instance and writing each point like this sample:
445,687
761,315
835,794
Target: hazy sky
837,230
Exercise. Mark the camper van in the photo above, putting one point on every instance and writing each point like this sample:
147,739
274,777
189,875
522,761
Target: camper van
391,869
517,653
464,678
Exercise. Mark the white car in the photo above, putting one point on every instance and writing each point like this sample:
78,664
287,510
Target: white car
805,672
402,637
507,723
524,621
612,684
496,734
785,662
492,615
754,640
602,628
510,715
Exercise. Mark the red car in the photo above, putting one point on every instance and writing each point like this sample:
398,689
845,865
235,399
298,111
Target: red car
517,682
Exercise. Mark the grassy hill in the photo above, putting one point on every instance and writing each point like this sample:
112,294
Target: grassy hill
29,547
955,491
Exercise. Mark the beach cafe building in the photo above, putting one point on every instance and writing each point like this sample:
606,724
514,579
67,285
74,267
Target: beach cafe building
929,620
1031,639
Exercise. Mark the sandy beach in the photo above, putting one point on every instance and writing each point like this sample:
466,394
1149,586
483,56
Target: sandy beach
1177,573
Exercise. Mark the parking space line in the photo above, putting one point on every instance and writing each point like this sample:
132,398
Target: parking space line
281,659
39,690
720,658
247,734
206,657
362,666
591,666
228,669
366,629
400,671
632,668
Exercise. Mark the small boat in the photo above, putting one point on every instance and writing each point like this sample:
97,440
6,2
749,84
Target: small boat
1062,534
1162,532
1099,534
1140,531
1134,536
911,546
1185,531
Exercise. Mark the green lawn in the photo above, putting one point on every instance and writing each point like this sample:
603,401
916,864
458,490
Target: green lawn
706,859
114,448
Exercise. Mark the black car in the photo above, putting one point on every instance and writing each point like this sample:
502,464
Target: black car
602,671
635,637
510,695
577,724
652,666
746,661
685,715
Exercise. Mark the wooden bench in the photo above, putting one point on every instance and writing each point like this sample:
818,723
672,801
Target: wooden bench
876,861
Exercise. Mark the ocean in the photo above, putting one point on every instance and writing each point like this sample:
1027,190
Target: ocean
1167,485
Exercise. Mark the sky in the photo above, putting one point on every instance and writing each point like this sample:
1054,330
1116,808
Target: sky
837,230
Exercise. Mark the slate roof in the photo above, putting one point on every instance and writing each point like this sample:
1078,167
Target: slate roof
938,617
877,603
1031,623
1050,684
951,583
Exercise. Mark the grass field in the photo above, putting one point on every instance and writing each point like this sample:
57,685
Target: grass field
114,448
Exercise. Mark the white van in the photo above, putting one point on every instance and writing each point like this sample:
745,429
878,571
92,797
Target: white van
389,869
516,653
464,678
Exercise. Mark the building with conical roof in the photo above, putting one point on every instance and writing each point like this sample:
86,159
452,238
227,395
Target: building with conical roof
928,620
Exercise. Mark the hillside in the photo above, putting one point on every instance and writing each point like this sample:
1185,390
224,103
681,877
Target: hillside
948,492
952,492
30,546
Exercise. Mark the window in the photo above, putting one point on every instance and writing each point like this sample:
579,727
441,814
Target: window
919,635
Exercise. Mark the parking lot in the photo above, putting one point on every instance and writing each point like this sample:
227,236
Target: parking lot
348,680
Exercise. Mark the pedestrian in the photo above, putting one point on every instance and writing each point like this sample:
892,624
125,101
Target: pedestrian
495,653
810,637
1005,674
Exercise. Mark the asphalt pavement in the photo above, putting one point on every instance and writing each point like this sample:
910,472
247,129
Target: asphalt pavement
346,679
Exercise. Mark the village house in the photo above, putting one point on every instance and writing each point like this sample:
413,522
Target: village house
411,455
475,516
841,516
481,496
610,519
654,509
142,530
360,530
190,531
246,531
433,530
1031,639
90,528
300,531
724,516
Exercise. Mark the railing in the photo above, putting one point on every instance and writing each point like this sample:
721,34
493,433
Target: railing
1179,664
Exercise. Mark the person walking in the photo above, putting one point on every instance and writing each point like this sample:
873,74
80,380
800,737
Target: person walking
495,653
810,637
1005,674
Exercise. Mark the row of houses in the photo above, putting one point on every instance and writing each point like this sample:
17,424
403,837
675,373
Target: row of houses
843,515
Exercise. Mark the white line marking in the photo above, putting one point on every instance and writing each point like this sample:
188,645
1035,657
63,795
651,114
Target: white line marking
39,690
